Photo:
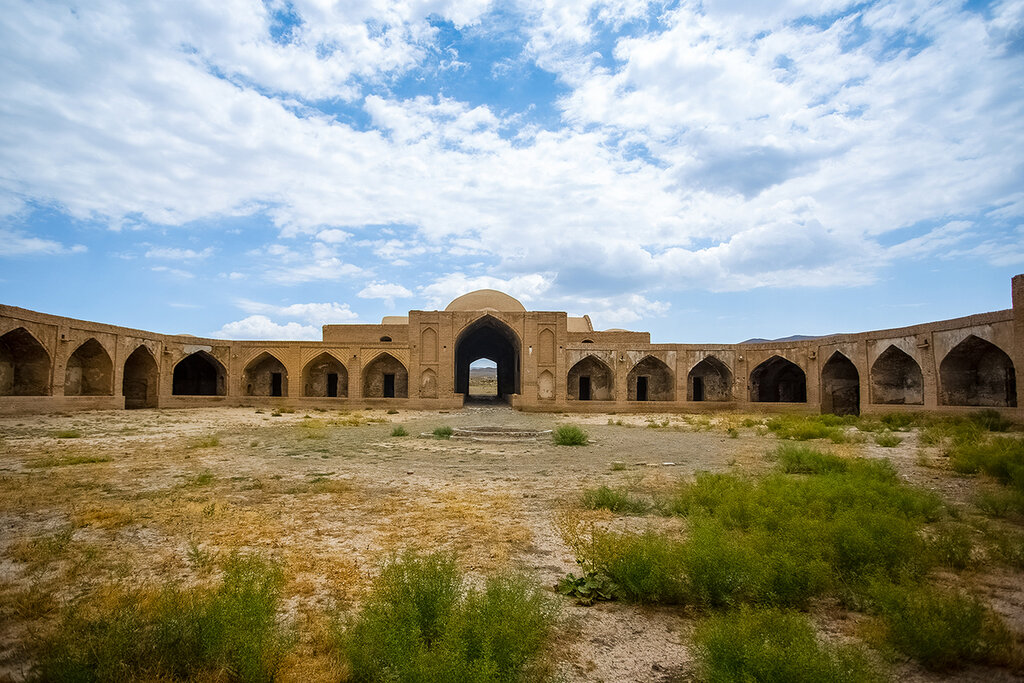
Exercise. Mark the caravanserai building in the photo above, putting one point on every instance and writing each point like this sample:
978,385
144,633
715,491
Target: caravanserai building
546,361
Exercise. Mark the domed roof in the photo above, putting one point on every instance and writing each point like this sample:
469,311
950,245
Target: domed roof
485,300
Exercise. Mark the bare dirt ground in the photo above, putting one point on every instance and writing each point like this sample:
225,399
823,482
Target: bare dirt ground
141,497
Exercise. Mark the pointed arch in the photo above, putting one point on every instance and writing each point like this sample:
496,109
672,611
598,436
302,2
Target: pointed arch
546,386
546,347
24,365
778,380
265,375
840,386
493,339
590,380
976,372
325,376
428,345
428,384
385,377
140,379
896,379
709,380
89,371
199,374
650,380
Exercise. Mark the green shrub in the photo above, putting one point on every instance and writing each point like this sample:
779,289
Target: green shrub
773,646
645,568
806,427
616,500
941,630
421,624
992,420
952,546
178,634
899,422
444,432
805,460
888,440
399,431
569,435
588,588
1000,503
1001,457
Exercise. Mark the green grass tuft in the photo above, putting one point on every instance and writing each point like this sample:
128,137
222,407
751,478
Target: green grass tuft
399,431
569,435
774,646
420,623
616,500
888,440
805,460
444,432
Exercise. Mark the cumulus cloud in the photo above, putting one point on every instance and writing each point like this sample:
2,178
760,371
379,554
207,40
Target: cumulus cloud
17,243
262,327
316,313
526,288
387,291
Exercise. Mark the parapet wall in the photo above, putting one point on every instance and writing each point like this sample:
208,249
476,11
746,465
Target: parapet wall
51,363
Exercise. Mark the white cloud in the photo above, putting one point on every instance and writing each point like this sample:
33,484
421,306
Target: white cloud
175,272
333,236
526,288
315,313
16,243
262,327
175,254
384,290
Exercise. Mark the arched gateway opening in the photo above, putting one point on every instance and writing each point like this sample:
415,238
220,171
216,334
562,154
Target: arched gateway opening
495,341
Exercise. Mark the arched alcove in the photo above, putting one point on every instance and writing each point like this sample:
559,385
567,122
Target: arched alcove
896,379
385,377
976,372
325,376
265,375
140,380
199,374
778,380
840,386
24,365
650,380
89,371
590,380
428,384
546,386
709,380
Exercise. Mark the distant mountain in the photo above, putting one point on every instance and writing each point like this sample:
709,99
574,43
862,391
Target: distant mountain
795,337
483,373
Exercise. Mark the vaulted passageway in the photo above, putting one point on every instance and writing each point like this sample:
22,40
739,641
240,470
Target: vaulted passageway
24,365
199,374
977,373
778,380
840,386
139,384
491,339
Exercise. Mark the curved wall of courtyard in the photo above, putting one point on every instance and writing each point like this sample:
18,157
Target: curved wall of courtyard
547,363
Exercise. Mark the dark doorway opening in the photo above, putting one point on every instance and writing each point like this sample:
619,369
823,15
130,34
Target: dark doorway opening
778,380
332,384
840,386
490,339
584,388
698,388
24,365
977,373
139,384
275,384
389,385
199,375
641,388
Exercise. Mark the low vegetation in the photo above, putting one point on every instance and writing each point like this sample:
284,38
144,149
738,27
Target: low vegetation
421,623
569,435
444,432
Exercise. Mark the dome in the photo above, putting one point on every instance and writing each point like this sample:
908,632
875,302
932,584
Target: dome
485,300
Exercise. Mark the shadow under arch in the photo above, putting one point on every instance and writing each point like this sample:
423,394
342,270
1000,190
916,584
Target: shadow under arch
896,378
840,386
650,380
778,380
24,365
89,371
385,377
140,380
976,372
199,374
325,376
266,375
490,338
591,379
709,380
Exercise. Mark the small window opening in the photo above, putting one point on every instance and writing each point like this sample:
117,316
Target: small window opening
385,338
588,341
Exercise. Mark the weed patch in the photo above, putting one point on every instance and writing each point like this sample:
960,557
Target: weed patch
68,434
1001,457
616,500
69,460
888,440
774,646
569,435
399,431
208,441
420,623
444,432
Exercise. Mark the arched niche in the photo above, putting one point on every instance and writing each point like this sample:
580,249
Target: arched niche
428,384
546,347
24,365
976,372
199,374
325,376
265,375
590,380
650,380
709,380
778,380
487,337
385,377
428,345
140,380
546,386
89,371
840,386
896,379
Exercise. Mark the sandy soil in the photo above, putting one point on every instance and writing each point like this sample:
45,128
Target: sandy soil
333,494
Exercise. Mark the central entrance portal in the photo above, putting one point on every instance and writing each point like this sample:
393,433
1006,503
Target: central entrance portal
492,339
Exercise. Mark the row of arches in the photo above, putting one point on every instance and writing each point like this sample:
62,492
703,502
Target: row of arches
974,373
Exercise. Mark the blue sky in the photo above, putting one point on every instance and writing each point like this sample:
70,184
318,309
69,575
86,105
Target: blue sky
709,171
